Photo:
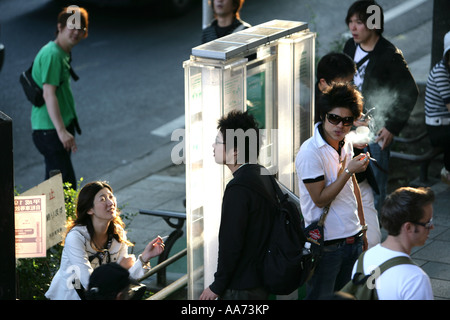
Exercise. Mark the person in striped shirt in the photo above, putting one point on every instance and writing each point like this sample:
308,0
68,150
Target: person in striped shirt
437,107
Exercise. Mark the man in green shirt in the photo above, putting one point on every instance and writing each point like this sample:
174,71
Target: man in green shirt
55,122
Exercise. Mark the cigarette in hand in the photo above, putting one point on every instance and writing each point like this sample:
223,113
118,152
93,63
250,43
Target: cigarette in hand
365,158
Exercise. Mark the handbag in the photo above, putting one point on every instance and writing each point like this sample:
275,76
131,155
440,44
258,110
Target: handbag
315,236
32,91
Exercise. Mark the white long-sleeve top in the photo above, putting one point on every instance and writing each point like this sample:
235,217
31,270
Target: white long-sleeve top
75,264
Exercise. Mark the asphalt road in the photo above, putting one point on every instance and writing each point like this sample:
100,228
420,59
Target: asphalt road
131,74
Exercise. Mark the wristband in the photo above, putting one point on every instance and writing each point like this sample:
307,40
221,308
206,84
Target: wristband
348,172
145,265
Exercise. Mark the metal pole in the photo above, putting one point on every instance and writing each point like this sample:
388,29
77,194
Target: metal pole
7,230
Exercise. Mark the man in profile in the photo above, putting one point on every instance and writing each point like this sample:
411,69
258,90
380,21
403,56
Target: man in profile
247,212
407,216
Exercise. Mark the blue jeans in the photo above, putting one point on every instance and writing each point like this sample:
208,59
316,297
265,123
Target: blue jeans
56,157
334,269
381,177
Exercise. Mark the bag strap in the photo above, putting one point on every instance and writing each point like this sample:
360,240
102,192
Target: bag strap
394,262
385,265
72,72
362,61
277,189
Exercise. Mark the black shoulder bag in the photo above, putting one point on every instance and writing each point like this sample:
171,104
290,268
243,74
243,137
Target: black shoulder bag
32,91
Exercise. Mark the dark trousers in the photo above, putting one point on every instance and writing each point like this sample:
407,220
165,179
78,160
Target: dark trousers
56,157
334,269
440,137
248,294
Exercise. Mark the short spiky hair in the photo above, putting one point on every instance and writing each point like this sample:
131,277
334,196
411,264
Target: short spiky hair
341,95
236,121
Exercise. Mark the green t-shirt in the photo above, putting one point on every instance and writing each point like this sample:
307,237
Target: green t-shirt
51,66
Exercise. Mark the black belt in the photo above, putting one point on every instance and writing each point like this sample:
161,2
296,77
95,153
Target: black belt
349,240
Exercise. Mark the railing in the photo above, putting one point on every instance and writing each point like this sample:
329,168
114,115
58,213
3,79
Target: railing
163,265
171,288
180,217
163,259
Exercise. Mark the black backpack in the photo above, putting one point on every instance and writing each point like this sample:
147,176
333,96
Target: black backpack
287,263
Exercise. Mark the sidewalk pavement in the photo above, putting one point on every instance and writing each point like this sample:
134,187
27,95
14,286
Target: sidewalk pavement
153,182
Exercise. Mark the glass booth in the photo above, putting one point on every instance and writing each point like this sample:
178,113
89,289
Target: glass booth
267,69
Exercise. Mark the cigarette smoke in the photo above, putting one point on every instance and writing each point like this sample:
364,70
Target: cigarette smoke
383,100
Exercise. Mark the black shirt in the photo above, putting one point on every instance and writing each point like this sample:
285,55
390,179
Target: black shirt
247,215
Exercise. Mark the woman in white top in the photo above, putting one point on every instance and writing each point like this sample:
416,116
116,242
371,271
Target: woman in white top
96,237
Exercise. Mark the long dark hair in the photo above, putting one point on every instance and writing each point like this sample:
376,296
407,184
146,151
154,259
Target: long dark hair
85,202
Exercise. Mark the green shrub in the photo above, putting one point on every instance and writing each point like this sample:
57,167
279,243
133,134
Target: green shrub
33,276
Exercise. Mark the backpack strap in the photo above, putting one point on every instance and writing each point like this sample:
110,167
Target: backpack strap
383,267
395,262
277,188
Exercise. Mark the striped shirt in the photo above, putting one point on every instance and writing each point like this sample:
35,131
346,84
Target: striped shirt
437,93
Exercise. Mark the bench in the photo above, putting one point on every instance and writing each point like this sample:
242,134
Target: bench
424,159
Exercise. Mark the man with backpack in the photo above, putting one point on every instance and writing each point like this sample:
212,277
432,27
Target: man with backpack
247,212
407,216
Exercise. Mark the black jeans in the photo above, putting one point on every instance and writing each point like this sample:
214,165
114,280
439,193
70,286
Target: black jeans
440,137
56,157
248,294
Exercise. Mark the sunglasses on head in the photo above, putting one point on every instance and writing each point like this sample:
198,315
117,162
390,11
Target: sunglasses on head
335,119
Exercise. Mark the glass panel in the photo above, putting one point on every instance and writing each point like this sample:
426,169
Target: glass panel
261,95
212,87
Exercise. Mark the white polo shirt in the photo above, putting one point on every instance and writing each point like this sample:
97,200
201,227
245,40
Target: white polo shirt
317,159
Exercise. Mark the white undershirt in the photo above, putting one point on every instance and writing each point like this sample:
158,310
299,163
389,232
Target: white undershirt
358,79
